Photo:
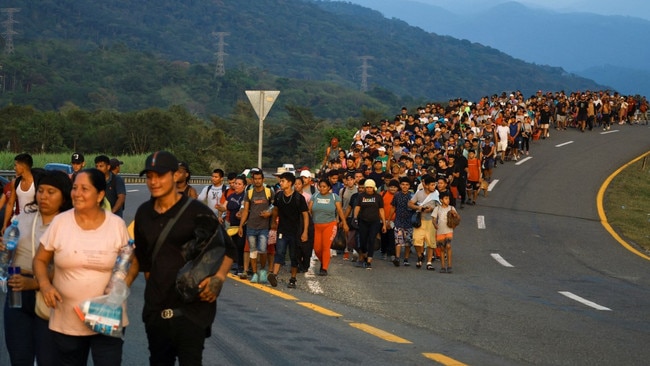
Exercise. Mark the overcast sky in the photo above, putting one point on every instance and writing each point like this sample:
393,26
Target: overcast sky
636,8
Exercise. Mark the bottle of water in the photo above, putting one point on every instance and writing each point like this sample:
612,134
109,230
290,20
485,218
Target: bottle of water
10,240
121,268
15,297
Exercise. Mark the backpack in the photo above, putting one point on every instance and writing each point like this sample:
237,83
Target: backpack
267,190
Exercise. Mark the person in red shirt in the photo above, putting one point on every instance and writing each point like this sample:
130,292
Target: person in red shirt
473,176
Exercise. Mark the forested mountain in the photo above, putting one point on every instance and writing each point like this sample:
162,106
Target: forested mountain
95,53
110,76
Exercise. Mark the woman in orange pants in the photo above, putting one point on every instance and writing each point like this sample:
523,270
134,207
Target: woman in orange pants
326,210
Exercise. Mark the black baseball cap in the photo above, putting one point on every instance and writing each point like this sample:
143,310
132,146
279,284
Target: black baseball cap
77,158
160,162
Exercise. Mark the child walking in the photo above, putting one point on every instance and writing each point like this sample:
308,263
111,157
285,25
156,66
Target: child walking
444,233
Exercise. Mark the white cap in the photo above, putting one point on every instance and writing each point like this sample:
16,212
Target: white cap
305,173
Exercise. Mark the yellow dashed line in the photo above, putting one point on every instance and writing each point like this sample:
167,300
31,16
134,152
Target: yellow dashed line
264,288
440,358
380,333
319,309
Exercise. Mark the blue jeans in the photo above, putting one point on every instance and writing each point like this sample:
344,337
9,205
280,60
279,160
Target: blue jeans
286,241
26,335
257,239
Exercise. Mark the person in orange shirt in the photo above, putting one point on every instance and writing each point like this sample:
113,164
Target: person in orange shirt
473,176
388,238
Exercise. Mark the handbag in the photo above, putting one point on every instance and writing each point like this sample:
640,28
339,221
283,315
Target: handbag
416,219
41,310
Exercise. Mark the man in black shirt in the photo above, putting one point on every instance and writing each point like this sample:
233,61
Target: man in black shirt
291,220
175,329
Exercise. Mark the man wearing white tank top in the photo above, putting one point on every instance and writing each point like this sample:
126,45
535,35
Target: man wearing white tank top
22,188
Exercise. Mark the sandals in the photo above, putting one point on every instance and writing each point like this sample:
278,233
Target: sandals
443,270
430,267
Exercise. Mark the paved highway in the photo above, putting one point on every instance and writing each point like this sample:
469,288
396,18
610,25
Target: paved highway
537,280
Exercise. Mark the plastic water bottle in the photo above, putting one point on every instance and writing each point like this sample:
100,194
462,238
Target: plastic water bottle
15,297
10,240
122,264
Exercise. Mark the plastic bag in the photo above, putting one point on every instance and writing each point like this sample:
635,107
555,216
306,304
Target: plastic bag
203,255
101,315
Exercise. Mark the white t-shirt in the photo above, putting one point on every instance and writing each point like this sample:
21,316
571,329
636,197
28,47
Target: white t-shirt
83,264
211,196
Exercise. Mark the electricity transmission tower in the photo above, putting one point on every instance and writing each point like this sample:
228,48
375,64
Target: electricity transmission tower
9,29
221,67
364,72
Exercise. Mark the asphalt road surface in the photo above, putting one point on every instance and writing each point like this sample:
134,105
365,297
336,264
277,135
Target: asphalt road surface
537,280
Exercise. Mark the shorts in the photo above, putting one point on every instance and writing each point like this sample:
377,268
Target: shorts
257,240
473,186
443,239
403,236
502,145
424,233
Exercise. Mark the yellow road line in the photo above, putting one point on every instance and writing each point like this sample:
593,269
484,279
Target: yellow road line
264,288
380,333
601,210
440,358
319,309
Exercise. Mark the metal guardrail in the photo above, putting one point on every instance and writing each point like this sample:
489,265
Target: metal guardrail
128,178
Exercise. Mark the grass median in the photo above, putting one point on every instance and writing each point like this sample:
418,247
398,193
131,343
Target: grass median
627,204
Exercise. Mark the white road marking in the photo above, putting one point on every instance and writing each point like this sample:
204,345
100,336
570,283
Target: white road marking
501,261
564,144
606,132
583,301
480,221
132,190
492,184
523,160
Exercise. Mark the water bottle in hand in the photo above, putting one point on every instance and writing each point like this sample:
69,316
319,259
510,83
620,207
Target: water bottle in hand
10,241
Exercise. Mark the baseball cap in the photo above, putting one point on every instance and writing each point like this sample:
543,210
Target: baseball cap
160,162
115,162
305,173
77,158
370,183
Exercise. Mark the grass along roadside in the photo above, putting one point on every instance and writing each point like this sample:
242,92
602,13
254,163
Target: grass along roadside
132,163
627,204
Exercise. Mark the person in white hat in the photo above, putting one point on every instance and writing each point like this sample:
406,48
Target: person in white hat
370,217
307,181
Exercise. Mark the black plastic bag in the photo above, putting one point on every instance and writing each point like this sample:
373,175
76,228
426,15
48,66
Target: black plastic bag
203,254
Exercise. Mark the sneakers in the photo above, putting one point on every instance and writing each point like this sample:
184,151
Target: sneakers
263,276
367,265
292,283
448,269
255,278
406,263
430,267
420,260
396,262
443,270
242,275
346,256
322,272
273,279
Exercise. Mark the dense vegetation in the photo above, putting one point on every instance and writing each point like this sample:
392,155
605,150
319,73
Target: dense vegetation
130,76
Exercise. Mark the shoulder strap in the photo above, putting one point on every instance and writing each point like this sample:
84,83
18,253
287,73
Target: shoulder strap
167,228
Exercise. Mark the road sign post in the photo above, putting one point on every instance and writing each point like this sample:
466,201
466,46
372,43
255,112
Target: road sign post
262,101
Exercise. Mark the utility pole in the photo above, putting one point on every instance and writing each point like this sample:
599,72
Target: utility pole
364,72
9,29
221,67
